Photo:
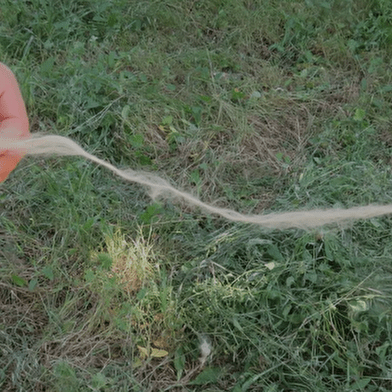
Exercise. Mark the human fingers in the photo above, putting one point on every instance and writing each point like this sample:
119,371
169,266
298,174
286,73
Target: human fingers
14,122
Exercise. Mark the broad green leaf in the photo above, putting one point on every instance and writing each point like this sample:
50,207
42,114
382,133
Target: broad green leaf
207,376
137,140
89,276
360,384
124,112
167,120
47,65
18,280
33,284
359,114
99,380
171,87
256,94
179,362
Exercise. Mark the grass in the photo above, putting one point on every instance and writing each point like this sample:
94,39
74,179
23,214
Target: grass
254,105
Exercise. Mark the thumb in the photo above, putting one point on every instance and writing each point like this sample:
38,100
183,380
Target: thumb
11,134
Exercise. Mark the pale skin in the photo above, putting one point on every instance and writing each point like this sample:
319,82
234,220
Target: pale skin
14,123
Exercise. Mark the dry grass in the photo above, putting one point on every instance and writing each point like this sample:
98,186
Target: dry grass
134,263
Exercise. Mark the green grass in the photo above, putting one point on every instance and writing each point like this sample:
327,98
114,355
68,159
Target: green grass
256,105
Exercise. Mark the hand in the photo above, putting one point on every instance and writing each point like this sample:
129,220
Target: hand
14,123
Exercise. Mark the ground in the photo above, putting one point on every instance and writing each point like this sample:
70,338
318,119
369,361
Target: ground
259,106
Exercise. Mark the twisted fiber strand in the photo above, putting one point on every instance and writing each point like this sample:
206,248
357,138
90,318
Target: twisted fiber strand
58,145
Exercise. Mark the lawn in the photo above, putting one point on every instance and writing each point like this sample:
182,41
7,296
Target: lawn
255,105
